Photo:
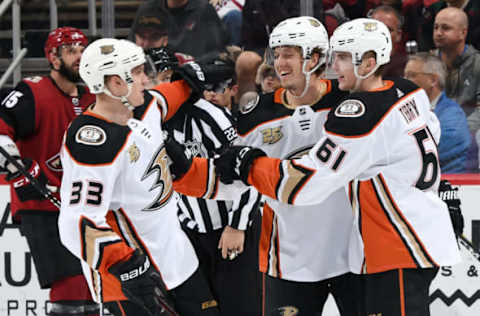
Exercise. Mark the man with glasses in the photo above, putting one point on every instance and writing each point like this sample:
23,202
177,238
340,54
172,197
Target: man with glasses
429,73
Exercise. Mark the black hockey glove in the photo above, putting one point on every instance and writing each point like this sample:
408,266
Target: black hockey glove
180,157
25,190
449,195
142,285
199,75
235,162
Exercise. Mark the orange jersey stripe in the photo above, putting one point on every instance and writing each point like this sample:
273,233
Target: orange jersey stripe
265,238
383,246
402,292
265,176
175,93
195,181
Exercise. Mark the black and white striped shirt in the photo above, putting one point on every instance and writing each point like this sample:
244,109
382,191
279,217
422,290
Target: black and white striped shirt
205,128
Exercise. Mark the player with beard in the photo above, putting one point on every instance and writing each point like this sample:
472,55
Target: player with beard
33,119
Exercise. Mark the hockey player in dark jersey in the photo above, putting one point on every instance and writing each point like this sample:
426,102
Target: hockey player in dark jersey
220,231
33,119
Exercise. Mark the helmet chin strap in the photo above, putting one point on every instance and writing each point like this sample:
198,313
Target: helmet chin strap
123,98
360,78
307,77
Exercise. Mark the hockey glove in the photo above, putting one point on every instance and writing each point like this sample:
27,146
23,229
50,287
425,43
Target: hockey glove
11,149
449,195
198,75
180,157
235,163
25,190
142,285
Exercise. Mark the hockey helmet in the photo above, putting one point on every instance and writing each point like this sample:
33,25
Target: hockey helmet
64,36
305,32
106,57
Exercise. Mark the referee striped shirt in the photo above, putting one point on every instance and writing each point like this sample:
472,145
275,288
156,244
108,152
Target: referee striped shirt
205,128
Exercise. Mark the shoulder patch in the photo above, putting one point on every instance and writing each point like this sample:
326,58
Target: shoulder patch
350,108
250,105
91,135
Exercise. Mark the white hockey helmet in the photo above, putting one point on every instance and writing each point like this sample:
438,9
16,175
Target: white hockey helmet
109,56
360,36
305,32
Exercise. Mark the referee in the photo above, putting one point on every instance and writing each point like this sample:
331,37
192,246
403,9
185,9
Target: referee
224,233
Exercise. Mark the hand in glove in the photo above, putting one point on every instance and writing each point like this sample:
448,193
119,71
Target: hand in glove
24,188
235,162
449,195
142,285
180,157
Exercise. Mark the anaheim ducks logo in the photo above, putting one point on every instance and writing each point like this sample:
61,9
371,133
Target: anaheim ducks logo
288,311
158,167
133,153
370,26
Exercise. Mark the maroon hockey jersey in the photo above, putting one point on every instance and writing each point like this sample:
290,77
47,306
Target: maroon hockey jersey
35,115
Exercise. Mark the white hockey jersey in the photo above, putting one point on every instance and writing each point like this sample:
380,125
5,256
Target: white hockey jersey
381,145
299,243
117,196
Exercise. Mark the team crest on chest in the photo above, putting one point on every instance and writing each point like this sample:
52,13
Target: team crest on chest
350,108
158,168
91,135
133,153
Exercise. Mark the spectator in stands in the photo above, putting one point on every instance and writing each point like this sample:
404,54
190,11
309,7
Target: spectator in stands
150,27
429,9
261,16
429,72
33,120
462,61
394,21
246,67
230,12
194,27
267,79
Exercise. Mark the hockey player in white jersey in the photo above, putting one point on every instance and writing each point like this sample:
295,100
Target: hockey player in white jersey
303,263
119,213
379,142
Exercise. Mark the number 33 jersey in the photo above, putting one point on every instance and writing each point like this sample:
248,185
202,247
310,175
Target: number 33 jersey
381,145
117,196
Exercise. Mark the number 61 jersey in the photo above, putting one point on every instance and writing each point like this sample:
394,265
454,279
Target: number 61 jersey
380,144
117,196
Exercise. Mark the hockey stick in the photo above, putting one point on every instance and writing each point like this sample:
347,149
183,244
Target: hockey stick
47,194
167,306
469,246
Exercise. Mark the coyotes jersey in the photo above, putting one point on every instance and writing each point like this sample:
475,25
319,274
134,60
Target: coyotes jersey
117,195
382,146
300,243
35,115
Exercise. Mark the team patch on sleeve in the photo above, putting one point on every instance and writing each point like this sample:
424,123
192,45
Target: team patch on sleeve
350,108
91,135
